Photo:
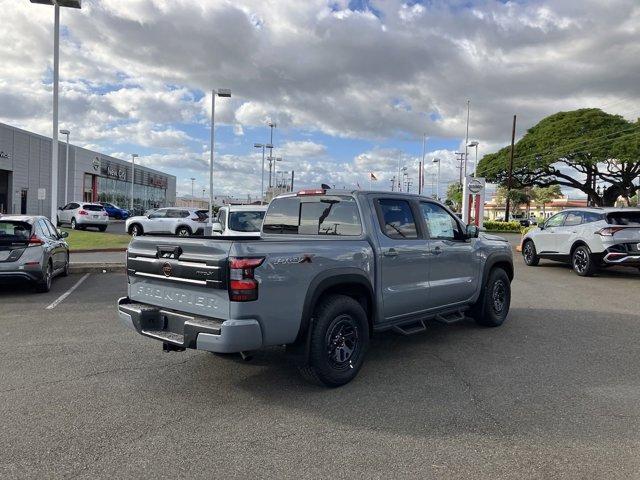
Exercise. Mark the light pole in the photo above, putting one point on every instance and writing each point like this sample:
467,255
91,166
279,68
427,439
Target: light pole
475,165
133,168
220,92
437,160
272,125
66,169
192,199
272,167
263,146
424,151
56,75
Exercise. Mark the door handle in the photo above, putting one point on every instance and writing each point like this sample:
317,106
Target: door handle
390,253
437,251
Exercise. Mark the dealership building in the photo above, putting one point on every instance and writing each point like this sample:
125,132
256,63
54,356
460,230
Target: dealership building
25,176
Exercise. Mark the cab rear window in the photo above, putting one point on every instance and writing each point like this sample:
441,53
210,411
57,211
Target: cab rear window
313,215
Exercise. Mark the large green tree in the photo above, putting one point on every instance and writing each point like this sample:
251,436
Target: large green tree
573,149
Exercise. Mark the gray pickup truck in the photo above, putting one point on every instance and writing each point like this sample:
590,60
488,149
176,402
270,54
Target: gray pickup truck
331,267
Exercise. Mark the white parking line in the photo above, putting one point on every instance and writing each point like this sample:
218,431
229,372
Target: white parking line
67,293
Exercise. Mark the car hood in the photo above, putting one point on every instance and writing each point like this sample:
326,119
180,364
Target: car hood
138,217
495,238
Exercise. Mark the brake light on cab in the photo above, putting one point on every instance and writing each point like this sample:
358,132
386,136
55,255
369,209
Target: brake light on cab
243,287
317,191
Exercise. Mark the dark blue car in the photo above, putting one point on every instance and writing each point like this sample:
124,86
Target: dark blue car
115,212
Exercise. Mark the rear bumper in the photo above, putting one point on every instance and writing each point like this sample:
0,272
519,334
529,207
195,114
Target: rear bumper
190,331
32,276
614,258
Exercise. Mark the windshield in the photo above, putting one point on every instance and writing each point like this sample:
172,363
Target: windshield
624,218
14,232
246,221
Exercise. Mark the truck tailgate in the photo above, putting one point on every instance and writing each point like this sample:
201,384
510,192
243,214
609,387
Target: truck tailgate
185,274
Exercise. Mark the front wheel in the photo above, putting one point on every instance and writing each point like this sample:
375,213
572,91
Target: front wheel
65,271
183,232
529,253
135,230
582,261
493,305
339,341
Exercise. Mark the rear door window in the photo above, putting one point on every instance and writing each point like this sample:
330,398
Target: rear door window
396,219
314,215
573,219
590,217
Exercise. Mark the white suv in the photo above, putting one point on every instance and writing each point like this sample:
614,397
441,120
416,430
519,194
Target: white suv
82,215
239,220
587,238
174,220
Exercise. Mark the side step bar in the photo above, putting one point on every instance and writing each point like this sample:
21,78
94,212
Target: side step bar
417,326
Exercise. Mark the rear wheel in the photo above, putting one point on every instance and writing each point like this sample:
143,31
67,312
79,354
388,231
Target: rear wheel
183,231
102,228
74,225
582,261
135,230
529,253
44,285
339,341
493,305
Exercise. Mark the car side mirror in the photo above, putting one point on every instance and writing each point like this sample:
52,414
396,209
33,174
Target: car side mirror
63,234
60,208
216,227
541,226
472,231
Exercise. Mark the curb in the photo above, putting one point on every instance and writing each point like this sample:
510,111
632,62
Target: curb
97,267
98,250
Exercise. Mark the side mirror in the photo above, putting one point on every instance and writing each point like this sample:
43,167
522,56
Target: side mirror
541,226
216,227
472,231
63,234
60,208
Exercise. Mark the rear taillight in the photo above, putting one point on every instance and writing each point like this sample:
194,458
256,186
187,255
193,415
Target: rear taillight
609,231
82,212
243,287
35,241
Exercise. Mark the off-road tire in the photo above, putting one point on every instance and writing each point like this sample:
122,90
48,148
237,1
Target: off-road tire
492,307
529,253
338,342
582,261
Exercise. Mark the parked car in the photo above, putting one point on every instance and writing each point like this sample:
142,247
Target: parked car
173,220
82,215
31,248
587,238
114,211
330,268
239,220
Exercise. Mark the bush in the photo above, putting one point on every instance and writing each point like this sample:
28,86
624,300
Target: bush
495,226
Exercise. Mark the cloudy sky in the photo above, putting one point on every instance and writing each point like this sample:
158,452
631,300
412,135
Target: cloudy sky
352,85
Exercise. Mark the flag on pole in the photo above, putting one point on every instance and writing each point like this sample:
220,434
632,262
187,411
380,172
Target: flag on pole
372,177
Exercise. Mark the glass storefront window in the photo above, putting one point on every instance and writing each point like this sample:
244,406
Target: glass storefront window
118,192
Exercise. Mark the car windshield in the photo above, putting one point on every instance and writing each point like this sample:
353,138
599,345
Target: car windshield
245,221
624,218
93,208
14,232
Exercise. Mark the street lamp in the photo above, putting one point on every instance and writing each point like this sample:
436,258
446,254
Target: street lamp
475,165
56,74
263,146
220,92
271,125
272,167
66,180
192,199
133,167
437,160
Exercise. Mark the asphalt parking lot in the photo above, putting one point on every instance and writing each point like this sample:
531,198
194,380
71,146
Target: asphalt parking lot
554,393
